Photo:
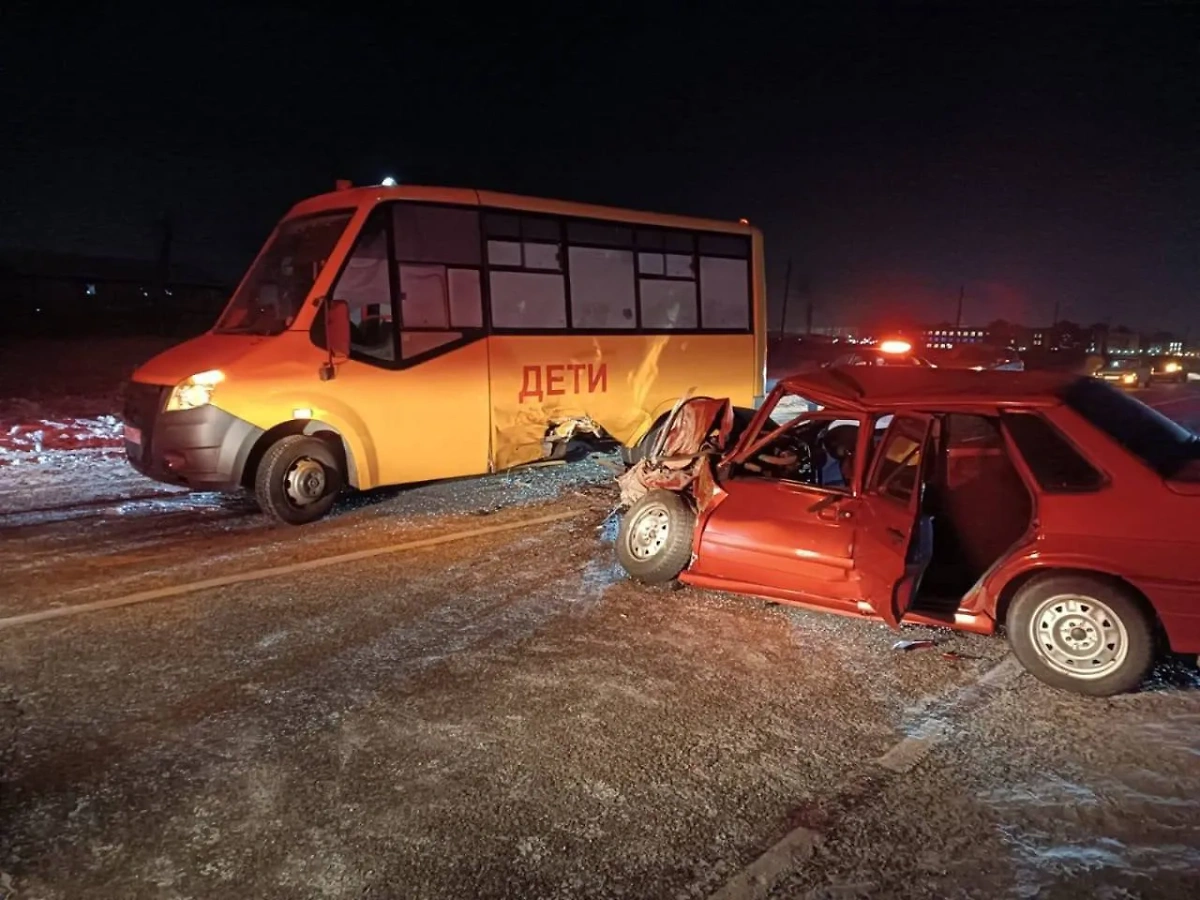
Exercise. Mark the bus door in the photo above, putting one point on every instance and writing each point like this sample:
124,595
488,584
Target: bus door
417,378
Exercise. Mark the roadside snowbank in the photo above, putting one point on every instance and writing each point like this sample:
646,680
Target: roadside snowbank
64,396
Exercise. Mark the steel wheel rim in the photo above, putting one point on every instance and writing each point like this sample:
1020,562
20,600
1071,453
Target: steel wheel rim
305,482
648,531
1079,636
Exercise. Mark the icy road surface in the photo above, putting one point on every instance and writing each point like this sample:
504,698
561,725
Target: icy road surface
504,715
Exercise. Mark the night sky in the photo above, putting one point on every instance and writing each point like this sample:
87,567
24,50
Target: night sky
1038,157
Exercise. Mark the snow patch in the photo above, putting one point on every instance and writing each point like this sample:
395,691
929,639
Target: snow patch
33,441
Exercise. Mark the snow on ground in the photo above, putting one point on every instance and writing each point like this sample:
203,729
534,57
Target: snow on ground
60,425
36,440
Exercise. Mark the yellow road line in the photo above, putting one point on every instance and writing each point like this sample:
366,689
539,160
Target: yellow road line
275,571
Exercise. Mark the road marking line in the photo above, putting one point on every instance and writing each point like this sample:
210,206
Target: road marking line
798,845
275,571
904,756
760,876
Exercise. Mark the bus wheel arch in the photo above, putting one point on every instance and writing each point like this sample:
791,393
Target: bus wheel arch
308,428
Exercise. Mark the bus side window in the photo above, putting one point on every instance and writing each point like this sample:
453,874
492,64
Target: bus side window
438,266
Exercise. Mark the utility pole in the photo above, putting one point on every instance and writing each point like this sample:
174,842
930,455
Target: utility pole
958,314
787,288
166,237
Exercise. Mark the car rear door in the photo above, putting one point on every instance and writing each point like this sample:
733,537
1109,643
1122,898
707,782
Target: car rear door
889,566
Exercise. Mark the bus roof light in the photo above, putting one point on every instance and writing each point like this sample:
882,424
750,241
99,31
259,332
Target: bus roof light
388,182
895,346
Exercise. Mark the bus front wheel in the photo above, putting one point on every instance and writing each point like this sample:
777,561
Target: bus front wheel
297,480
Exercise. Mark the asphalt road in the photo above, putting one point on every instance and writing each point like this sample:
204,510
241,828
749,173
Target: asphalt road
450,691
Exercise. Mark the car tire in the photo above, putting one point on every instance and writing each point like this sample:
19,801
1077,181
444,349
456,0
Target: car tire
297,480
654,542
1081,633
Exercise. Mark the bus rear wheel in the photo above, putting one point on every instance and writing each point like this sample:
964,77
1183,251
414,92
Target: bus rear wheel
297,480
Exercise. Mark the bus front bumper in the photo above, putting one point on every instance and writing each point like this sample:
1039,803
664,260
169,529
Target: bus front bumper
204,448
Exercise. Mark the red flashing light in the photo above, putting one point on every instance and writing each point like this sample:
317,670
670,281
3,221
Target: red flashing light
895,346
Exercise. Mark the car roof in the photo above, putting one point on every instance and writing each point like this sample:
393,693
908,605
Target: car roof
892,387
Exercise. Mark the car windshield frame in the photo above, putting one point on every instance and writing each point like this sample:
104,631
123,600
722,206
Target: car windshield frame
1161,443
285,271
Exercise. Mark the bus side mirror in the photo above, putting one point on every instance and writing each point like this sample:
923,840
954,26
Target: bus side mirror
337,328
337,335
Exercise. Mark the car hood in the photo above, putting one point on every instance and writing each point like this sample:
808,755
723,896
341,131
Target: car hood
696,425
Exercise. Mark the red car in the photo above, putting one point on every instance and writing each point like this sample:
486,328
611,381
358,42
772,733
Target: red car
1057,506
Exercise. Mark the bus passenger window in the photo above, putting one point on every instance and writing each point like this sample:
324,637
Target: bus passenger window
724,293
423,297
602,290
436,234
668,304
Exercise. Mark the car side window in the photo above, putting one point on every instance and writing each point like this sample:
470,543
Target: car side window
1055,463
899,468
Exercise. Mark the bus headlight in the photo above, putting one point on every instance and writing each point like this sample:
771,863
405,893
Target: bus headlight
195,391
1172,367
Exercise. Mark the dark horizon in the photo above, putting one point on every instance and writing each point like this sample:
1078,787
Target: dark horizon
1036,156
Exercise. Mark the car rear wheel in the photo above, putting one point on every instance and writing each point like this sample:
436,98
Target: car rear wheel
1081,633
297,480
654,543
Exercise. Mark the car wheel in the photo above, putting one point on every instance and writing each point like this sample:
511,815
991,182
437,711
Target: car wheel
654,542
1081,633
297,480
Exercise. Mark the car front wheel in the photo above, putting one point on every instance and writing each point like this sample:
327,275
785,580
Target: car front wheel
654,543
1081,633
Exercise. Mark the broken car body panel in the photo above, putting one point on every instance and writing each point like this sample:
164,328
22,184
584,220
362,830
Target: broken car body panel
697,429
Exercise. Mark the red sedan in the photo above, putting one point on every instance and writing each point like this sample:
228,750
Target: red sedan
1056,506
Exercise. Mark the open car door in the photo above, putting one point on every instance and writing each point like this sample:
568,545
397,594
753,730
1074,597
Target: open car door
892,552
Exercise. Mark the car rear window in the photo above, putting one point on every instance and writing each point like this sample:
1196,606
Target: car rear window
1164,445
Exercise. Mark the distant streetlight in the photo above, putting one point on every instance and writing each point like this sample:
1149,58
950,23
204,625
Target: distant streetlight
389,182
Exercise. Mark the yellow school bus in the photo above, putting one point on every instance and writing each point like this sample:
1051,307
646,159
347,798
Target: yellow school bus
387,335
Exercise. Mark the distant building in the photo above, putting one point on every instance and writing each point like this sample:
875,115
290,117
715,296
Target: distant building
947,337
845,332
1163,342
1123,342
61,293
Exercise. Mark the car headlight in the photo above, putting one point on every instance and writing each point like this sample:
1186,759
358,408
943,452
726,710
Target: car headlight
1129,379
1172,367
195,391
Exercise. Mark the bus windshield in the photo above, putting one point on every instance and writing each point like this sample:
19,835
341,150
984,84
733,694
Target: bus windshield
275,289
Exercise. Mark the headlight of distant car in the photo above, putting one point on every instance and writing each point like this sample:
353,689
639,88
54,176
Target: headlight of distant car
1129,378
195,391
1171,367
